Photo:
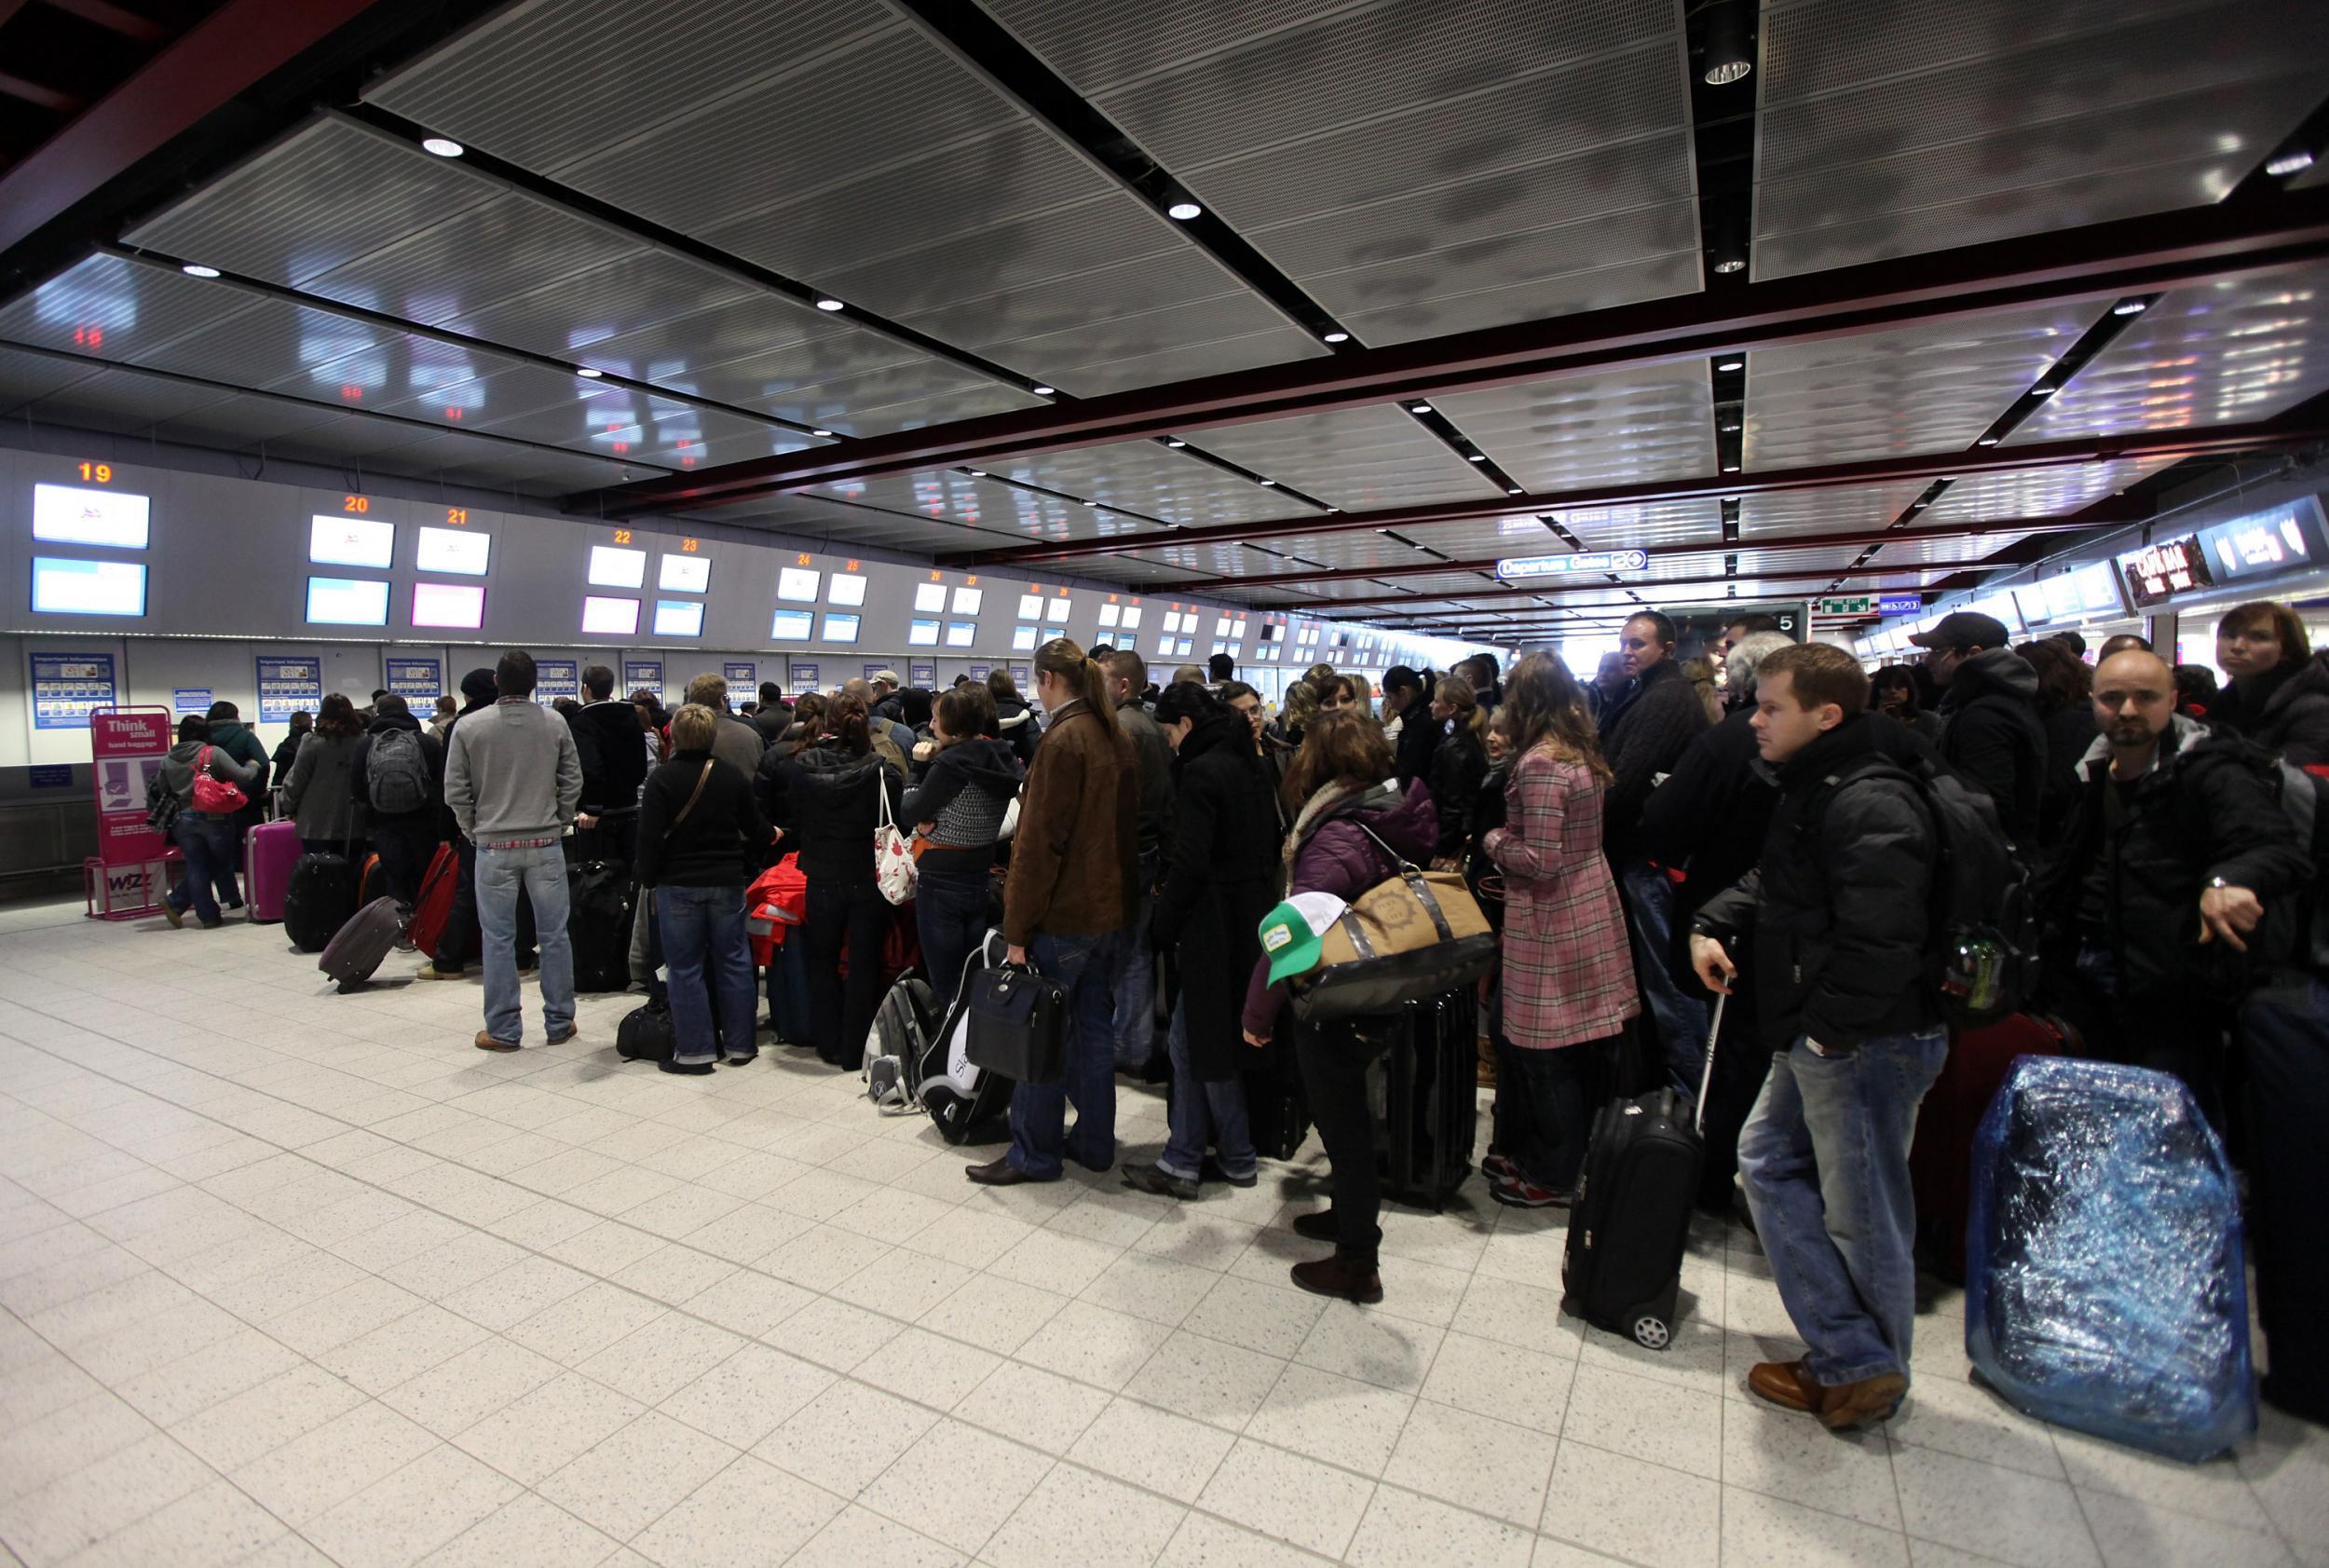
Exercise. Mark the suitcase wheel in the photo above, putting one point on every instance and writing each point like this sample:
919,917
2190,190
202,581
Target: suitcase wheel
1651,1331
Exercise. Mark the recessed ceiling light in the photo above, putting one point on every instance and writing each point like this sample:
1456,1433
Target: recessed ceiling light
1418,408
587,374
196,269
1336,337
1730,430
975,473
1184,211
1513,491
1269,484
2042,392
1174,442
1730,263
2290,163
1477,457
2129,307
828,303
443,146
821,433
1986,441
1732,364
1040,391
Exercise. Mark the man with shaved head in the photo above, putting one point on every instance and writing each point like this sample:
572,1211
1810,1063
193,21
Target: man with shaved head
2177,882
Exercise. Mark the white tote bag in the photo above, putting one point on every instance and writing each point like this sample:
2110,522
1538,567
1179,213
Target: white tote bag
893,857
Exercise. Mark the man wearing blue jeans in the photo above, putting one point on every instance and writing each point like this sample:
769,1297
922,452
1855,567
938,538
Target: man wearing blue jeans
1836,917
512,779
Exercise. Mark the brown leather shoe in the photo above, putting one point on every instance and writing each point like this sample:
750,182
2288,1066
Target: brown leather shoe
1786,1384
565,1034
1002,1173
1352,1279
487,1042
1850,1405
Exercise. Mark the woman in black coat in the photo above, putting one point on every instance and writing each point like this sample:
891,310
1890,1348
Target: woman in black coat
1218,887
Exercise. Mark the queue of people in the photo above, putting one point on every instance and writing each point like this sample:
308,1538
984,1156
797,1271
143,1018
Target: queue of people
1643,850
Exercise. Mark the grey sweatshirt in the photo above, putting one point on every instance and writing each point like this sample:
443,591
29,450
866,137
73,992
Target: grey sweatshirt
513,772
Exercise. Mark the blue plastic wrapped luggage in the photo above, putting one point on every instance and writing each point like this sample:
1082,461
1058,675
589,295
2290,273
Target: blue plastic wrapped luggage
2105,1289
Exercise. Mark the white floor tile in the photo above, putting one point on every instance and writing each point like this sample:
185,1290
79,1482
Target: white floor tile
1476,1463
1404,1530
751,1512
1076,1515
1645,1513
957,1484
1763,1532
1288,1496
846,1436
2005,1514
1151,1448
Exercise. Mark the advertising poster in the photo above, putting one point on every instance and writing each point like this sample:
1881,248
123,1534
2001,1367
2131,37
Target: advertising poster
191,699
648,673
419,681
554,678
67,688
288,685
126,750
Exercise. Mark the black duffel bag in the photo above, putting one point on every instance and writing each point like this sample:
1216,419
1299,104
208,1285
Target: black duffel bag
646,1034
1019,1025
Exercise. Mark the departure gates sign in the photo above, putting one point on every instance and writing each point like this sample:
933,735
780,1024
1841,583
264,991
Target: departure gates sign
1523,568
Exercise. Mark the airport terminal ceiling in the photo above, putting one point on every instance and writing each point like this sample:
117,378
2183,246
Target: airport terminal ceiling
1324,308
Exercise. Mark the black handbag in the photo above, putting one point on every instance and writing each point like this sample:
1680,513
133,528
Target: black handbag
646,1034
1019,1025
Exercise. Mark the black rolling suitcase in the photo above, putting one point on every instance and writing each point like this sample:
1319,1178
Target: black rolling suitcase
363,944
598,925
1429,1068
1630,1219
320,899
1277,1108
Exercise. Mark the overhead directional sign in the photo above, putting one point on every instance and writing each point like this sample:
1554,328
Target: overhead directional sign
1864,604
1900,603
1520,568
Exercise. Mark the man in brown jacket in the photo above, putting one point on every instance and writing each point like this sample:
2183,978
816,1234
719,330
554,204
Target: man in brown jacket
1067,904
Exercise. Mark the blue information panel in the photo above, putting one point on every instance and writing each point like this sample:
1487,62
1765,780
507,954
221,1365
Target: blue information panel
978,671
744,680
804,677
419,681
923,676
288,685
50,775
554,678
648,673
186,700
67,688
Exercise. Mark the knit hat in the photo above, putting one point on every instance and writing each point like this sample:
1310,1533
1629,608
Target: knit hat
1290,932
478,685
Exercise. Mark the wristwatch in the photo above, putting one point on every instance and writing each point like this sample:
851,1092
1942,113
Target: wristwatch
2218,882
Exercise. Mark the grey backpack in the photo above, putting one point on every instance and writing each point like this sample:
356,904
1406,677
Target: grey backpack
397,774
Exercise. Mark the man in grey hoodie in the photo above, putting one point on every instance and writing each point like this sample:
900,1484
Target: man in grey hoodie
512,779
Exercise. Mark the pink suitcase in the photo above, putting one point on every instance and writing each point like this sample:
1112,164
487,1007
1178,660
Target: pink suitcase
269,853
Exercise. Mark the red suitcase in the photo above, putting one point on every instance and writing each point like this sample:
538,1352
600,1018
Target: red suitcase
434,907
1941,1160
270,851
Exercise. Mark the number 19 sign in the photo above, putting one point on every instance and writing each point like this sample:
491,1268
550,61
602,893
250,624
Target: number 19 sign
1520,568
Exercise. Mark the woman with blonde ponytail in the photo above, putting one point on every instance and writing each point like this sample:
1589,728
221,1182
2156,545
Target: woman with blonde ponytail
1065,907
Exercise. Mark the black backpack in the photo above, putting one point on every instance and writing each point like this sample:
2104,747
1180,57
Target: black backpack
396,774
1983,934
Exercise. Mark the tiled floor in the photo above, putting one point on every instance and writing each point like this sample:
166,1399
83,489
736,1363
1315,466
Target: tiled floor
291,1277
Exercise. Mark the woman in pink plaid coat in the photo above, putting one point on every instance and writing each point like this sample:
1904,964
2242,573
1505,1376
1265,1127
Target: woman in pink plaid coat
1568,985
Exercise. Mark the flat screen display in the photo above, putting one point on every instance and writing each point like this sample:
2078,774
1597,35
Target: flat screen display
1185,645
64,515
1109,614
344,601
460,605
678,618
613,567
1056,612
960,633
1164,644
930,596
1023,639
1220,626
684,574
967,600
605,617
922,633
1132,617
62,587
797,585
1031,606
1237,631
841,628
350,541
455,552
845,587
791,626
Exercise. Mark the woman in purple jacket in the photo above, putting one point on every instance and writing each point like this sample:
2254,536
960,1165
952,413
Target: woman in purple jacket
1343,779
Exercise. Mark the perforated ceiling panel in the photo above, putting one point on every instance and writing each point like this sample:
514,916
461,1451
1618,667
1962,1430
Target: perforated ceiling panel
1644,526
1855,509
907,185
1359,459
2238,349
1656,422
1894,127
2036,492
1493,162
1152,480
1923,389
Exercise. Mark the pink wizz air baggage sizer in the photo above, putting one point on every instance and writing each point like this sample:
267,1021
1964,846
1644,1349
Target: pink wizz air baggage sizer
270,851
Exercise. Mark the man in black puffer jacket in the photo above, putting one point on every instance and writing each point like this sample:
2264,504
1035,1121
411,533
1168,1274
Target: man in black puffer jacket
1991,734
1836,913
614,766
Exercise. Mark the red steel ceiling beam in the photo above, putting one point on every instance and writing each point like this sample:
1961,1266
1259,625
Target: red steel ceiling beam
2214,441
221,55
2133,255
1643,585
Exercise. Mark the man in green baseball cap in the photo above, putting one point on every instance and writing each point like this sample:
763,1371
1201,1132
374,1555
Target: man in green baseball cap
1290,932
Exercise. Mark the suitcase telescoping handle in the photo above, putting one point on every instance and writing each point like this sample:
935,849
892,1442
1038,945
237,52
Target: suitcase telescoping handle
1705,1076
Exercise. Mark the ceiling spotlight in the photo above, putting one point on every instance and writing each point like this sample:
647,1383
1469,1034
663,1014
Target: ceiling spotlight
1336,337
821,433
1986,441
196,269
1418,408
1732,364
1731,264
2130,307
1513,491
586,373
2042,391
1730,468
1477,457
443,146
975,473
828,303
1181,212
1040,391
1730,43
2290,163
1731,429
1269,484
1174,442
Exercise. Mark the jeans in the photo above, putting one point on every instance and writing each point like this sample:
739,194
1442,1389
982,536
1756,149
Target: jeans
541,874
950,918
1198,1108
1133,1030
208,844
404,845
1039,1112
709,962
1825,1160
1334,1059
841,1011
1543,1116
462,923
1680,1021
